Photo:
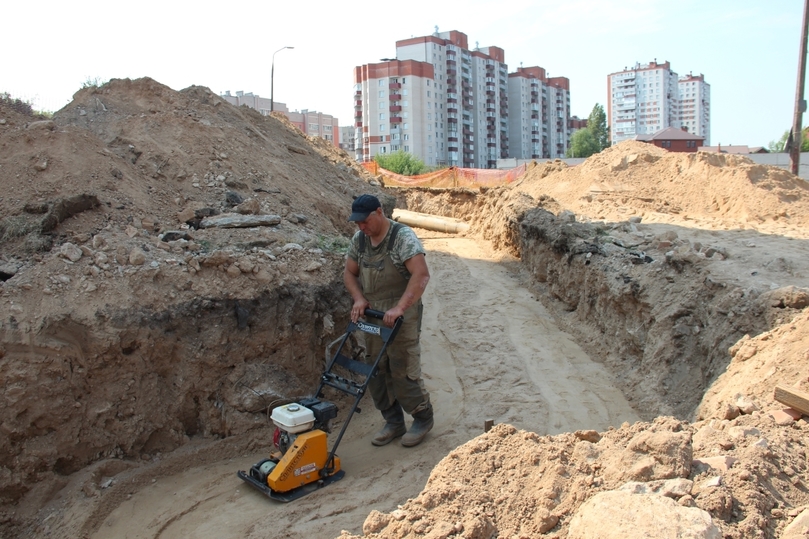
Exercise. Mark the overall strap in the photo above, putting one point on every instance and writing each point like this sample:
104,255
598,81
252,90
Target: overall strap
393,232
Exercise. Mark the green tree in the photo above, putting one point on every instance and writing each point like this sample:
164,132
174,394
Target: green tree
583,144
401,162
781,144
597,124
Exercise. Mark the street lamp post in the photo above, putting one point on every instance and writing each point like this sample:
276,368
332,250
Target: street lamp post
272,76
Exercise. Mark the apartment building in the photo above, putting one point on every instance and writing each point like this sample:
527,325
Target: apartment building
450,105
538,114
695,105
312,123
347,138
646,98
395,105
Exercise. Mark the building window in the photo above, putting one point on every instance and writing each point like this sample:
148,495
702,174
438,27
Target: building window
404,126
381,128
407,148
381,115
381,82
381,93
428,93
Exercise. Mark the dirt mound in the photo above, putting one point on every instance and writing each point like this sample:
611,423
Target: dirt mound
129,320
512,483
635,178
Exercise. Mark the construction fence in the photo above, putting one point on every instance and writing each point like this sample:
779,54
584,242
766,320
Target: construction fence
448,177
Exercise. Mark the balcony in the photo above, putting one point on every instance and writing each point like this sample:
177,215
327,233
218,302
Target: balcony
452,139
451,62
395,97
452,110
452,120
395,119
395,85
358,124
395,108
451,72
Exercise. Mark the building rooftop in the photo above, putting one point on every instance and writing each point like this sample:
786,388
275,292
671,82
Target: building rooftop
669,133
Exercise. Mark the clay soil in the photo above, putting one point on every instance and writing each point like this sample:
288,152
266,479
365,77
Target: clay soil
623,323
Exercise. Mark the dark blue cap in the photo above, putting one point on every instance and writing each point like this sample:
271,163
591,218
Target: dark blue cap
363,206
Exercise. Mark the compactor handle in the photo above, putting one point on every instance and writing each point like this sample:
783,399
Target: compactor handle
374,314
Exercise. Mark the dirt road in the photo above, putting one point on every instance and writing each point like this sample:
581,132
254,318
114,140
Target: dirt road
490,351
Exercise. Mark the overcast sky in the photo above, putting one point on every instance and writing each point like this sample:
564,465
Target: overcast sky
748,50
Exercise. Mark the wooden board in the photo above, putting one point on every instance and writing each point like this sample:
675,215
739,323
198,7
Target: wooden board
793,398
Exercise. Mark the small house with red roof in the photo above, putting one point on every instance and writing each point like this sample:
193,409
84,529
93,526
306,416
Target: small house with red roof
673,140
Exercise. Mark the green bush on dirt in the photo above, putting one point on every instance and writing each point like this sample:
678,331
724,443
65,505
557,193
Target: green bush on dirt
401,162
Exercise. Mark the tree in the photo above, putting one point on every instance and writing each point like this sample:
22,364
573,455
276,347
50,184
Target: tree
780,145
597,124
401,162
583,144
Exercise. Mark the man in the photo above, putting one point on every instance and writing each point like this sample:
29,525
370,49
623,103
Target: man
386,271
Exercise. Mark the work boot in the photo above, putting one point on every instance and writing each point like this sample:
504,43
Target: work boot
422,423
394,425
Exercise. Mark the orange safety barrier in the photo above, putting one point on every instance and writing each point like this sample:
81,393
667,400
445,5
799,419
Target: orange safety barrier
447,177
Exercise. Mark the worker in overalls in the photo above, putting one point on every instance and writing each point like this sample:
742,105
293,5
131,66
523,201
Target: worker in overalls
386,271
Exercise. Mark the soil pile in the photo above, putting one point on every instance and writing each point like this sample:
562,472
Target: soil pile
635,178
130,323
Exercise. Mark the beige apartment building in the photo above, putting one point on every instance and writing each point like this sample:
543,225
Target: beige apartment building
450,106
648,98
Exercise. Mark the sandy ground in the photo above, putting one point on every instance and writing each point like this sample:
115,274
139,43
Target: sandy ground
484,335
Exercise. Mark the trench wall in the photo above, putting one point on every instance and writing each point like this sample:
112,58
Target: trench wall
135,384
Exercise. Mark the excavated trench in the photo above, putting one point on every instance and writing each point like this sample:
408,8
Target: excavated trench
142,383
664,323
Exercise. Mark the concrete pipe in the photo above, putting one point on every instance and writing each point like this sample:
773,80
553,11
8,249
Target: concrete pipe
430,222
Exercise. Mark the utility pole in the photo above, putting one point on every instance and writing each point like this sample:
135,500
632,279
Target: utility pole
800,102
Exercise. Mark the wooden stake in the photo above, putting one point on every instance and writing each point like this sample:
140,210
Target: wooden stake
793,398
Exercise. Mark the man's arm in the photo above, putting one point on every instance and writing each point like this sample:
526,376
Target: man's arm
351,278
419,277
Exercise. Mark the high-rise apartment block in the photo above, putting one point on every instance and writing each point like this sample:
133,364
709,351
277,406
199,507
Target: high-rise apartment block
449,105
539,114
650,97
695,105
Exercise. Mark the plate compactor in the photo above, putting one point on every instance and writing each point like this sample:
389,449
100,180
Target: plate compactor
302,462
